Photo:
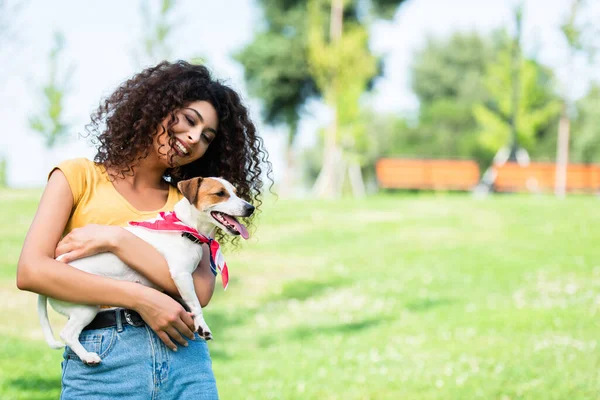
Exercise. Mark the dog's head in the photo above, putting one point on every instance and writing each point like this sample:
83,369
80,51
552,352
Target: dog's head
214,201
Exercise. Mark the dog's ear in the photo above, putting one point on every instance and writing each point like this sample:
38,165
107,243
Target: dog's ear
189,188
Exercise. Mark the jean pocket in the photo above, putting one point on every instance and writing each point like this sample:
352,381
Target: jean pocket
99,341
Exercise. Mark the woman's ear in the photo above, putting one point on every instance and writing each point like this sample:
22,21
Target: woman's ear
189,188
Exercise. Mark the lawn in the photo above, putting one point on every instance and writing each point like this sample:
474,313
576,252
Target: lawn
391,297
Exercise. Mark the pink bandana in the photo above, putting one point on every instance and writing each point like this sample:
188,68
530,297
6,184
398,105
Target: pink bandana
169,222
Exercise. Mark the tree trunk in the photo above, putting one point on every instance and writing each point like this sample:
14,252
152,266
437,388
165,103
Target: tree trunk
356,180
326,185
286,189
562,155
516,56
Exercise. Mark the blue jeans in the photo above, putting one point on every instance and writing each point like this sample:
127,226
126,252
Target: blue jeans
137,365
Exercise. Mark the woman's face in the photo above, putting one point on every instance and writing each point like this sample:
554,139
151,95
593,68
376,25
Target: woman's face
195,130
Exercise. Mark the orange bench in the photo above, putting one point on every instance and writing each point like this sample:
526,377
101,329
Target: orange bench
540,176
399,173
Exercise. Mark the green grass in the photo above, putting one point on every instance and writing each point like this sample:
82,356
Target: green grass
391,297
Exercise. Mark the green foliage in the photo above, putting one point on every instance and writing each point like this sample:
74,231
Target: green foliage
452,68
275,65
538,106
276,62
469,299
276,72
49,123
158,26
447,78
385,9
329,64
570,29
463,86
586,128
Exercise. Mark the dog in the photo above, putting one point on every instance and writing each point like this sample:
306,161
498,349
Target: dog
207,203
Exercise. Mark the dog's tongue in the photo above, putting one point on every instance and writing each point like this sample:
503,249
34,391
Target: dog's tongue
240,227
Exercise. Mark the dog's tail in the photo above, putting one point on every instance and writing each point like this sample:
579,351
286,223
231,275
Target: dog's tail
46,327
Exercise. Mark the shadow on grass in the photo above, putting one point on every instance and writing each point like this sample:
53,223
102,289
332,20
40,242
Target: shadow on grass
304,289
423,305
219,323
40,384
303,333
218,354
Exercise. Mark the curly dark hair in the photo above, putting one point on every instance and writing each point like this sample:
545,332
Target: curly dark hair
125,124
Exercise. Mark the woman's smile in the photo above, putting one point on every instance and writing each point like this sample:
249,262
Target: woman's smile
194,129
181,148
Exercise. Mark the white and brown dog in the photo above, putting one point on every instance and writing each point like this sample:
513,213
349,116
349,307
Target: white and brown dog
207,202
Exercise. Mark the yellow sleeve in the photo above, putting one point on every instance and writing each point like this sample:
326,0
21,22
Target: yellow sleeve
76,172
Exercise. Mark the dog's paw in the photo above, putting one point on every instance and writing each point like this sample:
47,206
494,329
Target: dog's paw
206,335
91,359
56,344
204,331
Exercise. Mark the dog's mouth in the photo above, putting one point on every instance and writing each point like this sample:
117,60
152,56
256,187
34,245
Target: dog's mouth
230,223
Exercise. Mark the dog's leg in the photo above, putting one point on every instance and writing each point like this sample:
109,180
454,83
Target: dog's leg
46,327
185,285
79,317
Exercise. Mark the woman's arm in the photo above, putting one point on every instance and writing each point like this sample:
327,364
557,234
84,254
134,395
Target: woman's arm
137,253
204,280
133,251
38,272
145,259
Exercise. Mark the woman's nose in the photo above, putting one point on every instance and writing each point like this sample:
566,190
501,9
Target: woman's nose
194,135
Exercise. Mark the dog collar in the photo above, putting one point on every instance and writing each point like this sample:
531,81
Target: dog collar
168,221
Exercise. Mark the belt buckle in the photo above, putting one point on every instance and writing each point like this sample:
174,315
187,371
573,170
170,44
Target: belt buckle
129,319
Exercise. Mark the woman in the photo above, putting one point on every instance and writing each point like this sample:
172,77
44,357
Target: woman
167,123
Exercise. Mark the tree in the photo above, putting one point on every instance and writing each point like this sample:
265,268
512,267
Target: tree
276,72
447,78
516,119
157,30
50,122
579,43
282,78
342,86
586,127
343,64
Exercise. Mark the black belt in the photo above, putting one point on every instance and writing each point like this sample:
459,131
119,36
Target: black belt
106,319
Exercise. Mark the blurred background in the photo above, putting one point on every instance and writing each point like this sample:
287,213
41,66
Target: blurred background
436,168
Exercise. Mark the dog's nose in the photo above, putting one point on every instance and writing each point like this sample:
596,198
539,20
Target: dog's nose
249,209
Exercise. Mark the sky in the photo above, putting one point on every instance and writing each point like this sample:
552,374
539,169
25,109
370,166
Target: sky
101,36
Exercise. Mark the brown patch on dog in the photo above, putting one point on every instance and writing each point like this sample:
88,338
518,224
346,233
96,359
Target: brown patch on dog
211,192
189,188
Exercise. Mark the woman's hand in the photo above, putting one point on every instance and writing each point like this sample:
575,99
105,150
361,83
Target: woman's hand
166,317
86,241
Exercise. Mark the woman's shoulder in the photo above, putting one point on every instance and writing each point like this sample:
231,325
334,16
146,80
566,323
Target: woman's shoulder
80,162
79,165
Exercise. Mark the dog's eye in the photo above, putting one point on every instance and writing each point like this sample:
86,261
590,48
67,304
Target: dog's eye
220,194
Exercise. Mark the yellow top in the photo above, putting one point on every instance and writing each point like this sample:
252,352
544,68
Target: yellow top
96,201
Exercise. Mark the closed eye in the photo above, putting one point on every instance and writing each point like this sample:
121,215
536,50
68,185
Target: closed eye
190,121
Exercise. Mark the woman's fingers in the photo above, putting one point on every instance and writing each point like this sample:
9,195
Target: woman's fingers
166,340
176,336
72,256
167,318
188,319
63,248
183,327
